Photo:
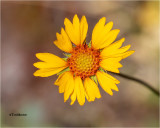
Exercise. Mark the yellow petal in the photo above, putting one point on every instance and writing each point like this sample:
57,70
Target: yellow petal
107,82
111,49
63,81
114,50
76,26
110,37
105,32
111,77
87,97
78,30
43,65
57,82
80,90
50,59
102,36
69,85
73,96
122,55
111,64
47,72
63,42
123,49
83,28
62,88
97,30
52,64
70,31
126,54
92,89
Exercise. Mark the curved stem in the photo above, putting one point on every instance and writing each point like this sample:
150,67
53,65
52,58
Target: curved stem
138,81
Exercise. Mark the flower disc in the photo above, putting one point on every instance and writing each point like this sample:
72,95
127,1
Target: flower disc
84,61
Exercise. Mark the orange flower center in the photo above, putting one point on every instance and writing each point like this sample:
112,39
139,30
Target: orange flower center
84,61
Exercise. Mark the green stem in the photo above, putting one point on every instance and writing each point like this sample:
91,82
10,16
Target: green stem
138,81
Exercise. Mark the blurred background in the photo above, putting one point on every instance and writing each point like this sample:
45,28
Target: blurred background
28,28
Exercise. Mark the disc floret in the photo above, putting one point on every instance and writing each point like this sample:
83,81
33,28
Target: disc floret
84,61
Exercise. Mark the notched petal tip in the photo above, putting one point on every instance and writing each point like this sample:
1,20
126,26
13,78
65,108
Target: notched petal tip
75,15
55,42
116,30
98,97
66,21
40,55
110,24
111,93
117,81
123,39
117,71
117,89
35,64
35,74
72,103
103,19
37,55
56,82
81,104
84,21
62,30
83,17
57,34
128,46
127,54
75,18
120,65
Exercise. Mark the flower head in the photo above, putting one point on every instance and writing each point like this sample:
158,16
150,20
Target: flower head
86,64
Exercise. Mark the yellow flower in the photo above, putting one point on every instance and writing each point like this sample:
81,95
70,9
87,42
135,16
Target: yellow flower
85,64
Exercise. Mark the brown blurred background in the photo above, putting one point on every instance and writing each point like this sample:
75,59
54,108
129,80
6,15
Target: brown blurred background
30,27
